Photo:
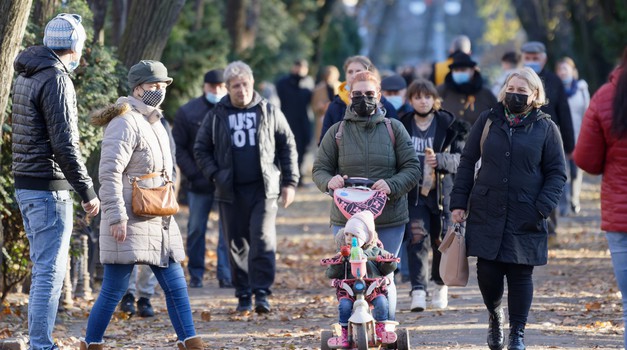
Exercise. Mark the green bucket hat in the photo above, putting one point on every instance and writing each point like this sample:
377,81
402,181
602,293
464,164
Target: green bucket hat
147,71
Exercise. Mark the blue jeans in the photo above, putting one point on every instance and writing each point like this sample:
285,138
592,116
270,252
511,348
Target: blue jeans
114,285
391,237
199,207
380,312
617,242
47,217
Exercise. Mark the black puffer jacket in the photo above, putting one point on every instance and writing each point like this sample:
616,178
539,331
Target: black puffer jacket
277,149
186,124
520,182
46,153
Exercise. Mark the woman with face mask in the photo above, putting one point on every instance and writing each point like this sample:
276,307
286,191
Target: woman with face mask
135,143
375,147
506,204
464,93
578,100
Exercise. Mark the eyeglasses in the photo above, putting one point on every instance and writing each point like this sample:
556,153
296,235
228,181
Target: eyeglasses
363,93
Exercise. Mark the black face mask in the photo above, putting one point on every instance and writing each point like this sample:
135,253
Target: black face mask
364,106
423,115
516,103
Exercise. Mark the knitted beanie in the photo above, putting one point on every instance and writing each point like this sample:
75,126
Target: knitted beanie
65,31
361,225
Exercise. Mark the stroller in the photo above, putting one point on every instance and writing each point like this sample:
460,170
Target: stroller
357,196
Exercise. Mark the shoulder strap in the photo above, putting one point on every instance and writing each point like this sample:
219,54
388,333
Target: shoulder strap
388,125
339,133
484,134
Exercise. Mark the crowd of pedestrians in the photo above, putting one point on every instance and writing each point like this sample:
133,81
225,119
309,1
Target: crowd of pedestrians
503,160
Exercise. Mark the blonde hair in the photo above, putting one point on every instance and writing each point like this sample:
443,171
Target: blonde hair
568,61
363,60
533,80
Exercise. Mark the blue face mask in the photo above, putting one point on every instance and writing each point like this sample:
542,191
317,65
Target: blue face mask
212,98
396,101
72,65
460,77
535,66
568,81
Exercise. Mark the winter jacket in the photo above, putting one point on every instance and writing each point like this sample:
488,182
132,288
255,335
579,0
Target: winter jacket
598,151
367,150
295,100
186,124
374,269
466,101
45,136
135,143
337,109
520,182
450,138
277,149
558,108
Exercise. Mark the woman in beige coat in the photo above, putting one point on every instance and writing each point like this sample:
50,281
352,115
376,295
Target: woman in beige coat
135,143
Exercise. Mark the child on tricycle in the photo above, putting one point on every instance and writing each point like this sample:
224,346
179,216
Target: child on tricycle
358,273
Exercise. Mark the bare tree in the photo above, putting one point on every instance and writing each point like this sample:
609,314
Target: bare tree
119,14
242,20
99,9
147,29
43,10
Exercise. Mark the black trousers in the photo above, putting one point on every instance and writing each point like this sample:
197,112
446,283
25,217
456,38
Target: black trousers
491,274
250,231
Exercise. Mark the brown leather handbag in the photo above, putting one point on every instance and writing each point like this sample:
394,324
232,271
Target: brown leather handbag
454,263
155,201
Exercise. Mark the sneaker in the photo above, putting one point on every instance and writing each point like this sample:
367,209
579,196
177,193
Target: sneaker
127,305
195,282
245,304
440,297
418,300
144,308
262,306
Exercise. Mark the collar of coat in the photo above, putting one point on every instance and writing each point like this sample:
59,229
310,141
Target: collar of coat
123,105
367,122
498,113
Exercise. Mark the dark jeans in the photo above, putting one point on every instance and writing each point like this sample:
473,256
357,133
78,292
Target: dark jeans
424,229
250,229
199,208
490,275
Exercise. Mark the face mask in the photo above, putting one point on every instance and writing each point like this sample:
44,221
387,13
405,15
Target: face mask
72,65
153,98
535,66
568,81
423,115
364,106
461,77
516,103
396,101
212,98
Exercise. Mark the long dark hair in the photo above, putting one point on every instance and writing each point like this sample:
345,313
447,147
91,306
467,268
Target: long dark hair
619,106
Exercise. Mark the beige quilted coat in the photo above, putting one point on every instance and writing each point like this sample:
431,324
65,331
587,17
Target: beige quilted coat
135,143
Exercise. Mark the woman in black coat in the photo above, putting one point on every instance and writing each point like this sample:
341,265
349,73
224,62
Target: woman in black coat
520,182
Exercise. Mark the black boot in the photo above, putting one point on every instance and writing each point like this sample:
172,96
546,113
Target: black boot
496,339
516,338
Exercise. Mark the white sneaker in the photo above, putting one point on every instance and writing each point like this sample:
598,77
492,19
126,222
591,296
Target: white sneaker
440,297
418,300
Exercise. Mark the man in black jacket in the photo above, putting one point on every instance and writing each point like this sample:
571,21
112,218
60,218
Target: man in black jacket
534,57
200,190
246,148
47,165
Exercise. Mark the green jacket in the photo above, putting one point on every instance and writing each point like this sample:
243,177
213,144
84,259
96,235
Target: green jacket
367,150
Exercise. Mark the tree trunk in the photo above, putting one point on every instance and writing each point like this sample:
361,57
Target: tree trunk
199,7
242,19
119,14
147,30
13,19
43,11
324,15
99,9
